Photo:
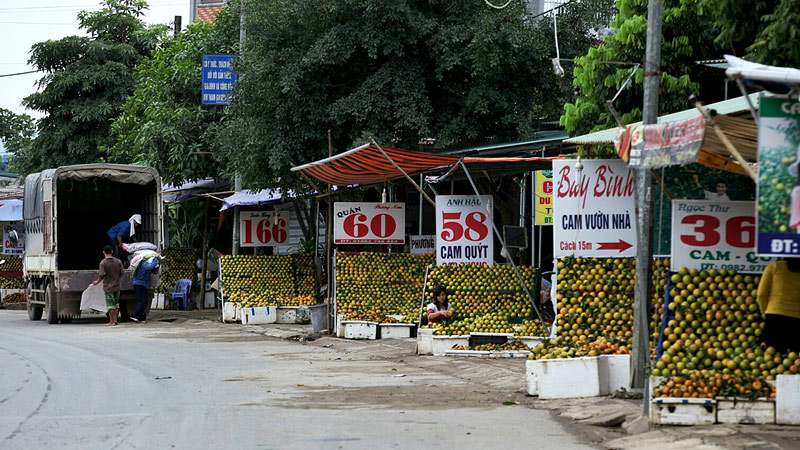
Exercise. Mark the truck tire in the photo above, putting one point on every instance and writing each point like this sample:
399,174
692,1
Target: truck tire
51,300
34,312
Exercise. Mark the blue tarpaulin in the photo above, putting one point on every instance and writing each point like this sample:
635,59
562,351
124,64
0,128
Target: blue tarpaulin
251,198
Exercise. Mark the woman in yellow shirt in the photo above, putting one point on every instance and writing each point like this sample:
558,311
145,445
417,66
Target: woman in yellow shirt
779,301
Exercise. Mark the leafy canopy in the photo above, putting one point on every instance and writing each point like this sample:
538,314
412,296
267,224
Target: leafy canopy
87,78
453,70
163,123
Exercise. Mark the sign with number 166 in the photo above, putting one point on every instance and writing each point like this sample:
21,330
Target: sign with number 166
464,229
263,229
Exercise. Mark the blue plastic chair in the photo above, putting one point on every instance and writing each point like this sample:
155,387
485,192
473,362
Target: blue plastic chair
181,295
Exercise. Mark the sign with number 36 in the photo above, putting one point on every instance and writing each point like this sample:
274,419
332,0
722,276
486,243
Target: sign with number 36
464,229
715,235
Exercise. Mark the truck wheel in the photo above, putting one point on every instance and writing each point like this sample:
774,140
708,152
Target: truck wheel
52,304
34,312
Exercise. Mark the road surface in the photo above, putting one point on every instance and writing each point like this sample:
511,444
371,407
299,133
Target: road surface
194,384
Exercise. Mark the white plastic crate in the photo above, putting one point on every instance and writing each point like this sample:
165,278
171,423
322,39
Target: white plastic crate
259,315
683,411
568,378
787,399
357,329
231,312
425,341
615,373
286,314
733,410
442,344
396,330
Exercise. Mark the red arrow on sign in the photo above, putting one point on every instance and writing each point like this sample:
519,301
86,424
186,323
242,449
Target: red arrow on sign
619,245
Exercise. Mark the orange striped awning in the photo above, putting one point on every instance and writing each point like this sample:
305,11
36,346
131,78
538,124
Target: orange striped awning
366,165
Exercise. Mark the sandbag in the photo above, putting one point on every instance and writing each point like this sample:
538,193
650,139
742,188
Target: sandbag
94,299
140,256
139,246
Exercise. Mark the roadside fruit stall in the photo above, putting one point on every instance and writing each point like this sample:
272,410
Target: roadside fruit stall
266,288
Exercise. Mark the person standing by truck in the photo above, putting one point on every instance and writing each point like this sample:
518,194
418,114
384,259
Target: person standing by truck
141,285
124,231
110,273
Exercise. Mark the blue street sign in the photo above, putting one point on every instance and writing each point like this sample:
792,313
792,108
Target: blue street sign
218,79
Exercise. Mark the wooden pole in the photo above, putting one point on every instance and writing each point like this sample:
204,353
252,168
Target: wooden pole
725,141
400,169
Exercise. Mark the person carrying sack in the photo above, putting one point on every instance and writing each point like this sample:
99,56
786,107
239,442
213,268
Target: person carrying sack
110,273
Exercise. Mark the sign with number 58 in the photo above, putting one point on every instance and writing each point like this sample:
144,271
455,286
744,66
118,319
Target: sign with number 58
263,229
464,229
715,235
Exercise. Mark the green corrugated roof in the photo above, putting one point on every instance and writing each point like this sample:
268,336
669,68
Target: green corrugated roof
729,106
542,137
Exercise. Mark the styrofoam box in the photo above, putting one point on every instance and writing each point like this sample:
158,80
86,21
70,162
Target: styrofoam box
787,399
231,312
733,410
259,315
614,372
287,314
357,329
396,330
425,341
531,341
568,378
487,354
442,344
683,411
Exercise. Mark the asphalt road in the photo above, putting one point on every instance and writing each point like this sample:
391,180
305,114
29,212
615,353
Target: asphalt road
195,384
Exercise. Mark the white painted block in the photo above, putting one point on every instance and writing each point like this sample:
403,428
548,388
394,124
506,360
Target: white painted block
396,330
259,315
732,410
157,302
442,344
614,372
787,400
683,411
425,341
287,314
231,312
360,330
569,378
339,326
532,370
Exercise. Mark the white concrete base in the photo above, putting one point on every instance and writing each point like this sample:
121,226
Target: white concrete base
396,330
259,315
735,411
567,378
683,411
787,400
443,344
425,341
615,373
357,329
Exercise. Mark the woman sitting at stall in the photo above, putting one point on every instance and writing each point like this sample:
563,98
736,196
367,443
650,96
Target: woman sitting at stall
439,310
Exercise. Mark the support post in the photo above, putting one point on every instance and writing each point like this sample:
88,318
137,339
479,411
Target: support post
640,354
400,169
329,268
237,178
204,257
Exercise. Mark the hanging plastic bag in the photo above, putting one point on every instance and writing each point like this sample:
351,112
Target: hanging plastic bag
94,299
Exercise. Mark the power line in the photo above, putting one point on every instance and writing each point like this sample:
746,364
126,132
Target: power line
18,73
69,7
40,23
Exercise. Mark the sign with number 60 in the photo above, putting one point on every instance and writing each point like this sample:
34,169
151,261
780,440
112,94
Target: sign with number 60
263,229
715,235
369,223
464,229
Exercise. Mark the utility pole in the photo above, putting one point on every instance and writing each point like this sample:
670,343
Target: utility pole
641,334
237,178
177,25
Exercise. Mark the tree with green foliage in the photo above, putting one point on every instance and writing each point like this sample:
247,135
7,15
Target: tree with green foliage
163,123
86,81
688,37
16,131
456,71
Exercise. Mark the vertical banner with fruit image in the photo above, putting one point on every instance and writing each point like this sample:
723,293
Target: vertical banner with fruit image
594,211
263,229
9,246
369,223
464,229
778,177
543,197
718,235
